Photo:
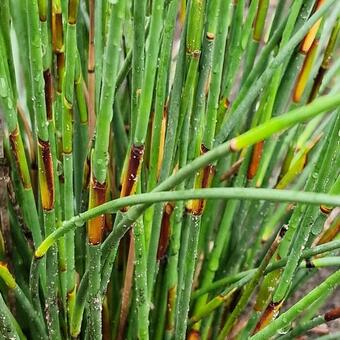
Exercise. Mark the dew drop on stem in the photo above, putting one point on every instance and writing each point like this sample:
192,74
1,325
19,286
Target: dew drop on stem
79,223
3,88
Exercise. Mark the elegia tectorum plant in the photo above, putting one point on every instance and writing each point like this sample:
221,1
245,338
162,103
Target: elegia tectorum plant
169,169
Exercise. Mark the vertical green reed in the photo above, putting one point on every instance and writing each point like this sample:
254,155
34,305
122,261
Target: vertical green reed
45,162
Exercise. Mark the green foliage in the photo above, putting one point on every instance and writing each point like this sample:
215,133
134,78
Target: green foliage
169,169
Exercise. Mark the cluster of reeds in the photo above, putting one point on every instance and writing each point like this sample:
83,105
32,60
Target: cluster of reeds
169,168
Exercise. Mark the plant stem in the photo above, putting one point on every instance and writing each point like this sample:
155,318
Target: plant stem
284,319
213,193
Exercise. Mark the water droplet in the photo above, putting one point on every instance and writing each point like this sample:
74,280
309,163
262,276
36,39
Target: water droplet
79,223
284,330
3,87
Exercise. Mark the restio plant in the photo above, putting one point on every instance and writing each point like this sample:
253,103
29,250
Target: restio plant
170,169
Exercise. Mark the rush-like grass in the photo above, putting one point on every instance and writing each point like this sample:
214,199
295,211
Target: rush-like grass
169,169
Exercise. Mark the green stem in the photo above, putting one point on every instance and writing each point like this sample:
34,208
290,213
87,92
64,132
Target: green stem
264,78
142,300
286,318
249,289
67,138
216,78
164,196
244,278
78,310
306,326
139,8
7,326
189,267
322,104
150,72
333,245
110,68
52,317
94,297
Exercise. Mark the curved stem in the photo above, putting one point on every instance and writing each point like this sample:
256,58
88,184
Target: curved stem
213,193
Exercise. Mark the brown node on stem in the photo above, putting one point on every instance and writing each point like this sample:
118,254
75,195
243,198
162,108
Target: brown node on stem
309,263
196,54
332,314
326,210
71,294
57,32
226,103
62,266
38,256
203,180
233,146
42,14
72,11
96,225
3,264
282,232
269,315
165,232
210,36
60,70
134,165
48,93
255,160
317,83
17,147
204,149
290,207
194,335
46,179
91,67
61,179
